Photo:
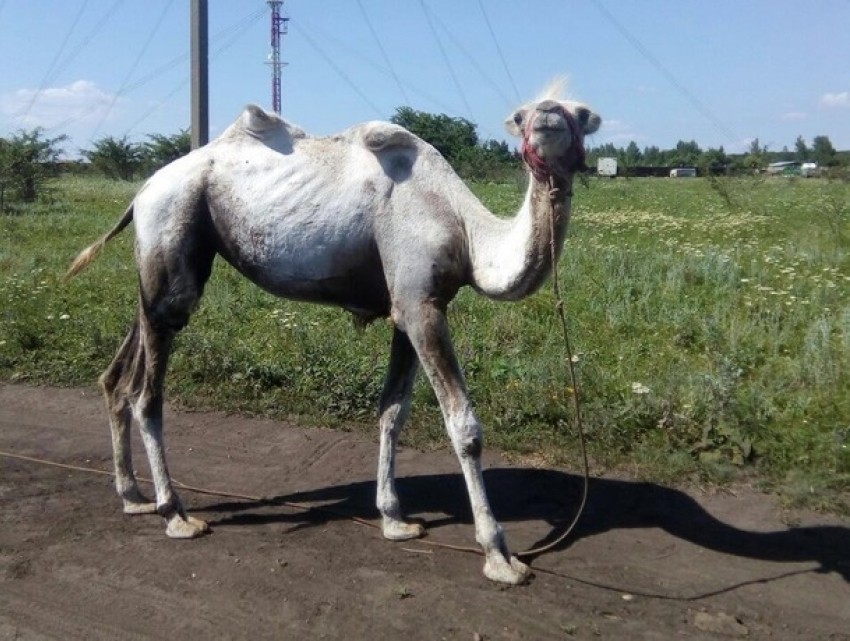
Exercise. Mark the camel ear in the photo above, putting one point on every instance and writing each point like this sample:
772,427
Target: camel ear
515,122
587,120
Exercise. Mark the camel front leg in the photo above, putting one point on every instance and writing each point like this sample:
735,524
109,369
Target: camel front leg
428,331
394,408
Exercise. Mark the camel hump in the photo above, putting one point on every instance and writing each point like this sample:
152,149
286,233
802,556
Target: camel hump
257,119
380,135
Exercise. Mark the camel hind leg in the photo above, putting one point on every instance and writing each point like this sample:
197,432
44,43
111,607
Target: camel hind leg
394,409
173,270
117,384
147,410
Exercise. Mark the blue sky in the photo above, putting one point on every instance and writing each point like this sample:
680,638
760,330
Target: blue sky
720,72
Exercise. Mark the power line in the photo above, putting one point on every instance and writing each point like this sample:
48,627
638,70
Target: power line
233,36
496,87
226,36
499,50
339,71
346,46
123,85
684,91
383,53
74,53
445,57
53,62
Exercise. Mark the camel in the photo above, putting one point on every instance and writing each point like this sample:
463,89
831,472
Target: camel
372,220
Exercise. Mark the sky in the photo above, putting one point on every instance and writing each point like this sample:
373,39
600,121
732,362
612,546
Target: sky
720,72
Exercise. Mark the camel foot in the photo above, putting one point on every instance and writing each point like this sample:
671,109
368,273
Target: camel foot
137,503
501,570
398,530
188,528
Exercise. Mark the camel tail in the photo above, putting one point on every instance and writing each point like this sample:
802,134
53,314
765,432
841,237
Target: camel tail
91,252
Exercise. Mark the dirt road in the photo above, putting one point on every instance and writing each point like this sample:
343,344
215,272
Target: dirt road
648,562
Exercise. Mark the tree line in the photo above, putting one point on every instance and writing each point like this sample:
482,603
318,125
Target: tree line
29,158
689,154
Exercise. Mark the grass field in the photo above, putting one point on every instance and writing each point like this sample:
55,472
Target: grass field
710,320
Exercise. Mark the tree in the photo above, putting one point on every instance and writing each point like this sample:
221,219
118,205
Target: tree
116,158
801,150
632,156
756,154
686,154
162,150
653,156
714,160
27,160
823,153
450,136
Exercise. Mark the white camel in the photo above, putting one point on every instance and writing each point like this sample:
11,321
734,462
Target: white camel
372,220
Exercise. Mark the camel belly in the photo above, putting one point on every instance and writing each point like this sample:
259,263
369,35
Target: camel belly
299,257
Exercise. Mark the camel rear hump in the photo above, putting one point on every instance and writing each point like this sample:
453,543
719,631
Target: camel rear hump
380,135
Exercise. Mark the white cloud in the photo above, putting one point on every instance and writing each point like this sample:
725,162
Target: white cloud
80,102
792,116
839,99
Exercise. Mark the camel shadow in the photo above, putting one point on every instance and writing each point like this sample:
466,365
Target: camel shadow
551,496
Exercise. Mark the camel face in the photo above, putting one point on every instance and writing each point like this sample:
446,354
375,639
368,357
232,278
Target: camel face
552,133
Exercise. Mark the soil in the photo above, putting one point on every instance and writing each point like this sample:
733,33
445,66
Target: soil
646,562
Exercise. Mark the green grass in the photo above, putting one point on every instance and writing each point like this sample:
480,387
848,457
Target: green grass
710,319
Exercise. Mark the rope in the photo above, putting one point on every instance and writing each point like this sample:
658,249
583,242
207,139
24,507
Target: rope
236,495
568,353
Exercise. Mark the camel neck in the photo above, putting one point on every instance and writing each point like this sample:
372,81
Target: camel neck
512,257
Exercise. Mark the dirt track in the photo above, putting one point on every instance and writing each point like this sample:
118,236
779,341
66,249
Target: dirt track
648,562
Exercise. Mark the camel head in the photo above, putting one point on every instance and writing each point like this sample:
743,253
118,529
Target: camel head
552,132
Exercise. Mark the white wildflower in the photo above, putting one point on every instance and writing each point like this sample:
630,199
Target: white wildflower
639,388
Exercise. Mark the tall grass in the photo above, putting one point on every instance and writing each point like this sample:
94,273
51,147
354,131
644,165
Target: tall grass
711,324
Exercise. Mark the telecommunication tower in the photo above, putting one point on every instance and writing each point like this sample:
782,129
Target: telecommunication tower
280,26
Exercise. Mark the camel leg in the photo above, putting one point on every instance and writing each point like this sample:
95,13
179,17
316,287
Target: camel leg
173,270
115,383
428,330
394,408
148,413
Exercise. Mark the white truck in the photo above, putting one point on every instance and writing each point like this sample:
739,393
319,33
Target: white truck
606,167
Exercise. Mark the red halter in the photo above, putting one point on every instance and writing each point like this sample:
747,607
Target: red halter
573,159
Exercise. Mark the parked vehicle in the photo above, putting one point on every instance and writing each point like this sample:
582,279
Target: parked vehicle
683,172
606,167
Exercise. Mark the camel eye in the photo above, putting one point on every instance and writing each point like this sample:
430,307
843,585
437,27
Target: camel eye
583,115
518,118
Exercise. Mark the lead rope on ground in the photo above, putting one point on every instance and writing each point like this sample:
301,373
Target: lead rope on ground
568,354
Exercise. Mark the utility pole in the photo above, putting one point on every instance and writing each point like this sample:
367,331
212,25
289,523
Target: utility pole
200,75
280,26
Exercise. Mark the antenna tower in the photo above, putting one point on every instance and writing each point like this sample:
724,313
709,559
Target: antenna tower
280,26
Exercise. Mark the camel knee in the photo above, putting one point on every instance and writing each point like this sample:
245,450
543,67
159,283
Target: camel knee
469,439
148,410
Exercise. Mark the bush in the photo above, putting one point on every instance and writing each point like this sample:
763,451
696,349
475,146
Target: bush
27,160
